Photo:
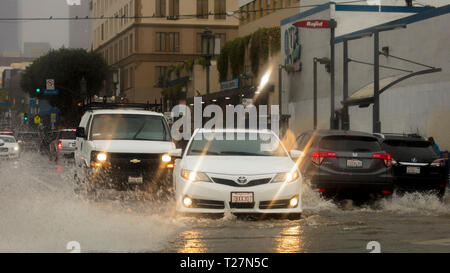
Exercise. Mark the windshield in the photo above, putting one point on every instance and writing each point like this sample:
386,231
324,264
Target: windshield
67,135
349,144
233,146
408,149
7,139
129,127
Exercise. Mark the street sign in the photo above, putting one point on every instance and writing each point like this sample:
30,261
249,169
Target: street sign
6,104
313,24
32,101
51,92
50,83
37,119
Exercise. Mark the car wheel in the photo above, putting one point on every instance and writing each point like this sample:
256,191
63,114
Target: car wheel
294,216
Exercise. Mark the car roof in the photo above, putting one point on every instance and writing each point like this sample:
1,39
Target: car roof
325,132
10,136
233,130
125,111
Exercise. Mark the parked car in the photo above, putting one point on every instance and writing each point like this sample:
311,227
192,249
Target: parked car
124,149
416,165
28,141
217,173
63,145
345,164
9,148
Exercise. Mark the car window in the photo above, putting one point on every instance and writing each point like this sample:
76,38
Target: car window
408,148
236,147
129,127
350,144
7,139
67,135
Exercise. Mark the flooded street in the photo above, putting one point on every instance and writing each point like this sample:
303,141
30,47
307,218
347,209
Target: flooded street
40,212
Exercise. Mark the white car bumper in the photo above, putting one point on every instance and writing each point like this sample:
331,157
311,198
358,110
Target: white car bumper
216,192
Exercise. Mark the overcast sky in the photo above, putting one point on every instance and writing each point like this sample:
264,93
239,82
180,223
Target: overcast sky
53,32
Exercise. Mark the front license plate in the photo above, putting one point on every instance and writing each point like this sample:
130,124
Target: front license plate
413,170
242,197
135,179
354,163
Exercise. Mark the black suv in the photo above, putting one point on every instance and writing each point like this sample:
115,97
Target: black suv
417,166
345,164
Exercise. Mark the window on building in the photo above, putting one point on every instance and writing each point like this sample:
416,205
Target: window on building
174,8
125,46
125,11
252,10
275,4
198,40
222,38
131,77
103,32
120,49
220,9
202,9
160,73
261,8
116,53
168,41
131,43
161,8
268,6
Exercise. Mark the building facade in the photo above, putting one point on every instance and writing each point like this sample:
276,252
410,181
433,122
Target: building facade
140,39
9,30
418,104
80,31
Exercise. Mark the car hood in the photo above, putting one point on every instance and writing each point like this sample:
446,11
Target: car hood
133,146
238,165
10,145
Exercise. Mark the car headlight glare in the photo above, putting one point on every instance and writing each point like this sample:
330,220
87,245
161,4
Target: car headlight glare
16,148
101,157
286,177
195,176
166,158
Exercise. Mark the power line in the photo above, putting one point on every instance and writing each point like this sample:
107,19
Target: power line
176,17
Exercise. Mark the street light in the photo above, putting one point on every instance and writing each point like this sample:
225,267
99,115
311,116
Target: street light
207,52
345,115
325,61
376,74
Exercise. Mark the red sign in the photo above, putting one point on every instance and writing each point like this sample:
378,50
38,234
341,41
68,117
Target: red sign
313,24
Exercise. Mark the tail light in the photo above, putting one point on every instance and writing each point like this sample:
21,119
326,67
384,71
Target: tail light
386,158
438,163
60,145
386,192
318,157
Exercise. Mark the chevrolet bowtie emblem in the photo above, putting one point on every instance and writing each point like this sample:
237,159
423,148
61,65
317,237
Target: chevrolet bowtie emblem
135,161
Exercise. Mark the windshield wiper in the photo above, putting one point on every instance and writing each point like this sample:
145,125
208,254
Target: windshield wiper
241,153
205,152
139,131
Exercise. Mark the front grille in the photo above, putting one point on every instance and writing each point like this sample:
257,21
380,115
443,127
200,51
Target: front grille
3,149
276,204
232,183
242,205
207,204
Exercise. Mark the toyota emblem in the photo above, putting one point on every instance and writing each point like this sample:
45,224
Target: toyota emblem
242,180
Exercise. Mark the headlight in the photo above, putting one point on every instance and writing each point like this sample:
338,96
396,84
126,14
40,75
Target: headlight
16,148
194,176
285,177
166,158
101,157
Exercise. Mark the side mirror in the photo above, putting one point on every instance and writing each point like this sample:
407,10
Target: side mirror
80,132
296,153
177,153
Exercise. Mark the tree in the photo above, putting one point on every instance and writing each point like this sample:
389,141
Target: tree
67,67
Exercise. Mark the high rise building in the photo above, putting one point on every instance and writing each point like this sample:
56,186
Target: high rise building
9,30
80,30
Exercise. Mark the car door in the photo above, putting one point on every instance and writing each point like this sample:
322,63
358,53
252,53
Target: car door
80,143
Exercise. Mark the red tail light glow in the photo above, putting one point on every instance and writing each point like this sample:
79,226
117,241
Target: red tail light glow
318,157
386,158
438,163
385,192
59,145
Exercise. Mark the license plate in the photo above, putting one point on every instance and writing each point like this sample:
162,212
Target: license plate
354,163
242,197
413,170
135,179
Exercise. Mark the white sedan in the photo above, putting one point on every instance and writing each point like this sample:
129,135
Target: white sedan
237,170
9,148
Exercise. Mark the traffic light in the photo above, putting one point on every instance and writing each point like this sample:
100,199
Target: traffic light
25,117
38,90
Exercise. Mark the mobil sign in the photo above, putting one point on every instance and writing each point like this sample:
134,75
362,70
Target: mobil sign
313,24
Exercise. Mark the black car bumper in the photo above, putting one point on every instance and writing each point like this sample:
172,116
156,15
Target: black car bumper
408,183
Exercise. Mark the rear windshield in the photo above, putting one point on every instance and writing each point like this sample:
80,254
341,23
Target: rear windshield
349,144
67,135
406,148
29,136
